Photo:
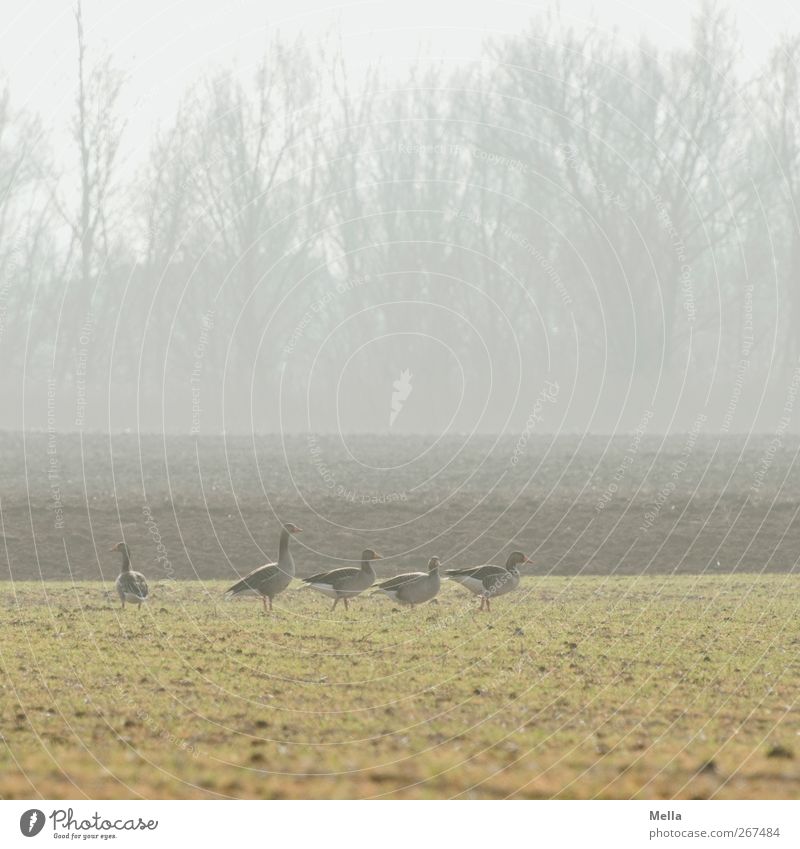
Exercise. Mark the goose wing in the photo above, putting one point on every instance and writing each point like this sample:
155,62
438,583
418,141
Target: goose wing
400,580
334,577
133,583
255,581
487,575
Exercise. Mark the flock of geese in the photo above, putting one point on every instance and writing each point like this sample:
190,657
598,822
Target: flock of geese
410,588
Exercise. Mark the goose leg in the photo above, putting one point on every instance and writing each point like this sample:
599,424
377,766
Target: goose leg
335,602
483,601
264,602
346,607
488,606
270,604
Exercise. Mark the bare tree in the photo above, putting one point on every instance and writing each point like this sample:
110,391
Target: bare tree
779,104
97,129
26,244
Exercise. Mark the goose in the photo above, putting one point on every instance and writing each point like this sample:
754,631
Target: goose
342,584
131,585
490,581
271,578
413,587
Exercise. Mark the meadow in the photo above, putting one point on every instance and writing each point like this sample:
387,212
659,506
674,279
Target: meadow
653,686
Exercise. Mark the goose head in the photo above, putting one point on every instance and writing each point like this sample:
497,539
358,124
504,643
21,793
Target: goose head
120,546
369,554
515,560
291,528
433,565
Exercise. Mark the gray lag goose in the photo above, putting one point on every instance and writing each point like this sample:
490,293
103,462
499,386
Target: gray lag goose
348,582
490,581
413,587
131,586
271,578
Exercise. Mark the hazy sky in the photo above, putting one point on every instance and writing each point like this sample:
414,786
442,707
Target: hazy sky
162,46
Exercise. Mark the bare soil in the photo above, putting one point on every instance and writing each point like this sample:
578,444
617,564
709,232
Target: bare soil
209,507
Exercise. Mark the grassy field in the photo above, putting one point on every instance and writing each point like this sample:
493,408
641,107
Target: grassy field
651,686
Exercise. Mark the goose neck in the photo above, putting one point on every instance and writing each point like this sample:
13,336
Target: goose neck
285,560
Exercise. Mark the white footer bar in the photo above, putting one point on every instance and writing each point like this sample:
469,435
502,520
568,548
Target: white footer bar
402,825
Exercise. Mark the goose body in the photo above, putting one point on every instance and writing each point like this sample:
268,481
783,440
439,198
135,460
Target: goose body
269,580
131,586
346,583
490,581
413,587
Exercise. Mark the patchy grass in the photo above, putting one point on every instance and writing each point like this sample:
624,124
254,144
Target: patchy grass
574,687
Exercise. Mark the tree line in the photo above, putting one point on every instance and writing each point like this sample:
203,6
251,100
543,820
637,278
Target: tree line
617,218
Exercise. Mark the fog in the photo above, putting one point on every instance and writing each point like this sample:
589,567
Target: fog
571,230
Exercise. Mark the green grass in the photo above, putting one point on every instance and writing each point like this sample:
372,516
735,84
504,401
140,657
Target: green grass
589,687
